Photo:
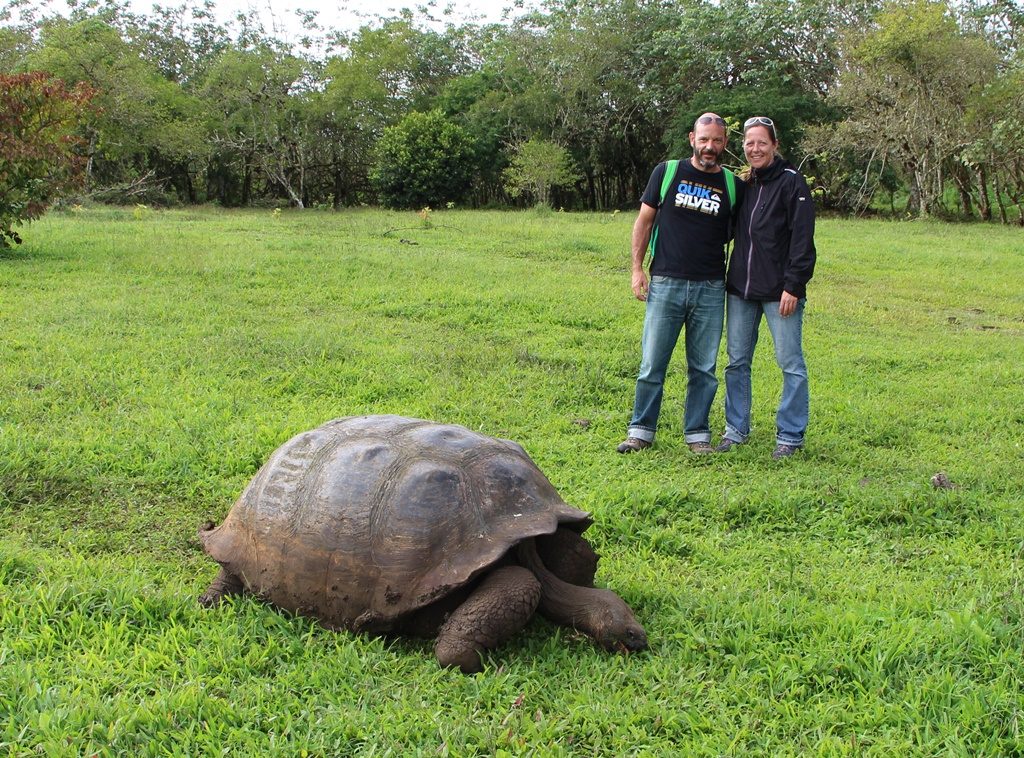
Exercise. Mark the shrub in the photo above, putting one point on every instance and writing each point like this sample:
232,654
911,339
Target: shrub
39,158
537,167
424,160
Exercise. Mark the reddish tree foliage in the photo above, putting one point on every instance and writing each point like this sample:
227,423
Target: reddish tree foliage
40,154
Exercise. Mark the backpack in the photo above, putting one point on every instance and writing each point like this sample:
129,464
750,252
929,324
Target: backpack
671,167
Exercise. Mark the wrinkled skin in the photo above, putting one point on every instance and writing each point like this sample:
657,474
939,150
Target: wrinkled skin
498,609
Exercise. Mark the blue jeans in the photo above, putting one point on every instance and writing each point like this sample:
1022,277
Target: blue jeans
671,304
742,322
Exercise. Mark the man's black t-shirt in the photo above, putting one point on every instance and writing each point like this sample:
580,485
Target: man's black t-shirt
694,224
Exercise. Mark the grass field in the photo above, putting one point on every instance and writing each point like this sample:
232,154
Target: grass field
832,604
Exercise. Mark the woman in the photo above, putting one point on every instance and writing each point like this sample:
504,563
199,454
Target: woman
771,263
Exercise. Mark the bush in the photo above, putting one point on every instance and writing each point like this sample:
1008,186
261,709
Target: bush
536,168
425,160
39,158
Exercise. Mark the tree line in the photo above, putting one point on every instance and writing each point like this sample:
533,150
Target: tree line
910,107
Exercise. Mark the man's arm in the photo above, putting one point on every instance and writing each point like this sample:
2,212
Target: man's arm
641,237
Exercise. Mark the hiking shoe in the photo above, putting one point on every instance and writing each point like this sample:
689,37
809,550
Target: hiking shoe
726,445
633,445
700,448
783,451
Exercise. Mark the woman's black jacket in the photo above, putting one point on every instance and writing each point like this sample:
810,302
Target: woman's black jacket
774,249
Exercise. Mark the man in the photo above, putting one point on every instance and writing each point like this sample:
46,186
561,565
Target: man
687,283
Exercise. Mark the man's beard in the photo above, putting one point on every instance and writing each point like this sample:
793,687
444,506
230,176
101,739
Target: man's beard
706,162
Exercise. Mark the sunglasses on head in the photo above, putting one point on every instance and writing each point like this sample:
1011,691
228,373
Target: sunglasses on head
762,120
705,120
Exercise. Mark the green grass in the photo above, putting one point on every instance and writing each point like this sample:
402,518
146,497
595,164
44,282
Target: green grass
832,604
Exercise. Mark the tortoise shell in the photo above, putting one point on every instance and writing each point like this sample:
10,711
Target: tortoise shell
365,519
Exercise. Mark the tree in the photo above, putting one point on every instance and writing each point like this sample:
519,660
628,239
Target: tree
360,100
382,75
423,160
408,65
777,58
580,76
258,106
38,150
910,84
144,127
15,43
537,166
996,154
181,40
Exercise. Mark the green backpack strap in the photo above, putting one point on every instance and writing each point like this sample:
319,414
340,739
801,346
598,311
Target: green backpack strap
730,190
730,187
666,181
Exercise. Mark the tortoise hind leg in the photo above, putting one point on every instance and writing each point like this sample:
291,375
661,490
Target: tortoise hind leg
501,606
224,585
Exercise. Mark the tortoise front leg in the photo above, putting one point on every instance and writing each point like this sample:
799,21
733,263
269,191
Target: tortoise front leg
568,556
225,584
501,606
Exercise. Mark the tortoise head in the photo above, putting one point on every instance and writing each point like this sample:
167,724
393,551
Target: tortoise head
612,624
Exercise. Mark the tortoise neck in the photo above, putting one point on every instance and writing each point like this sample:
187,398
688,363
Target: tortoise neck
567,604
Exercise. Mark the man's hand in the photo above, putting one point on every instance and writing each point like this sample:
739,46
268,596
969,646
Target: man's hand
787,305
640,285
638,248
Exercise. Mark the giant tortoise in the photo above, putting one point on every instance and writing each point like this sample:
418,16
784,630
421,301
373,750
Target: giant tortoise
385,524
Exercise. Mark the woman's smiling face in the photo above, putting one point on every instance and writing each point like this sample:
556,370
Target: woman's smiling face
759,147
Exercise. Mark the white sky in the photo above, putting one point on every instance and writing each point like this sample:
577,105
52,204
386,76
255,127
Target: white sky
279,16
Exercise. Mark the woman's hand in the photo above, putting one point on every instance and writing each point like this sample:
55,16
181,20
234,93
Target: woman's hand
787,305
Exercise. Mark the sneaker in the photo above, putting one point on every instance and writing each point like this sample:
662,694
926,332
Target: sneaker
700,448
726,445
783,451
633,445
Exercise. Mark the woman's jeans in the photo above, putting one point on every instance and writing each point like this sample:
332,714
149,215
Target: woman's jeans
742,321
671,304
